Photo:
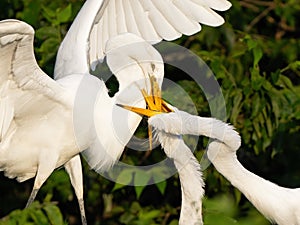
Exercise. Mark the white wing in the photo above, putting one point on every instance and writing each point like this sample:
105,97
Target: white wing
153,20
25,90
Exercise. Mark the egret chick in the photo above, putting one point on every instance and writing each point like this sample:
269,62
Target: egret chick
278,204
190,175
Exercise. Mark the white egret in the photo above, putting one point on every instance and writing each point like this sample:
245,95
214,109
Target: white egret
36,119
278,204
99,20
35,110
32,101
190,175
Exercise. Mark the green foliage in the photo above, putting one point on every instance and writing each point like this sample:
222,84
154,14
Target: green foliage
39,214
255,58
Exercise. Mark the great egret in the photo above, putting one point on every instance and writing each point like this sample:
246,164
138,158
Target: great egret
100,20
35,110
278,204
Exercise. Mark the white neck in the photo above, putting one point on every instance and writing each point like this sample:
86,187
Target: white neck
190,175
72,54
278,204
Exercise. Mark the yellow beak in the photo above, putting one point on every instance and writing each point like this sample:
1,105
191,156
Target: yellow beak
155,104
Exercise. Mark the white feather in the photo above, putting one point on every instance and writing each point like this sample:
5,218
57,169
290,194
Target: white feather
152,20
190,175
120,18
176,18
45,124
181,122
278,204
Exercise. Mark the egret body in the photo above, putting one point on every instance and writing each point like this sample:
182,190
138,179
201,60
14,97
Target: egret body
37,113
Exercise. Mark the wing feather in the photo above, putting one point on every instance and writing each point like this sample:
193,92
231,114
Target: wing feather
6,116
219,5
143,21
176,18
153,20
105,32
120,17
112,19
23,85
163,27
130,20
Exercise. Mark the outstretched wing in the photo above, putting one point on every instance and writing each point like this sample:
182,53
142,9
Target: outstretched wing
153,20
25,90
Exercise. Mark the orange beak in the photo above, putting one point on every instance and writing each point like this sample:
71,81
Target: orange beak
154,105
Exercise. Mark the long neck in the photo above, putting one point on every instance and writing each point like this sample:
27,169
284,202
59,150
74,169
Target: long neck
190,175
72,54
110,127
274,202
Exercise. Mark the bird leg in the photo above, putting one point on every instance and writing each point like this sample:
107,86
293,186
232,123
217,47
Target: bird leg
45,168
74,169
32,197
82,211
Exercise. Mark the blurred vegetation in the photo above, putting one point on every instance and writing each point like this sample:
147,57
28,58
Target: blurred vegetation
255,57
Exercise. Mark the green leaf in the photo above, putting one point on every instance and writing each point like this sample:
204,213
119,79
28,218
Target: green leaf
31,12
256,79
141,179
250,42
64,15
54,214
237,104
48,48
162,187
139,190
49,14
47,32
257,53
275,76
124,178
148,216
39,217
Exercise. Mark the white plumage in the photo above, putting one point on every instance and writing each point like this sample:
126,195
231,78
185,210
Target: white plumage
278,204
190,175
153,20
38,129
31,101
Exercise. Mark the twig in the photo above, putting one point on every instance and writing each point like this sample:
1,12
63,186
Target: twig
260,16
